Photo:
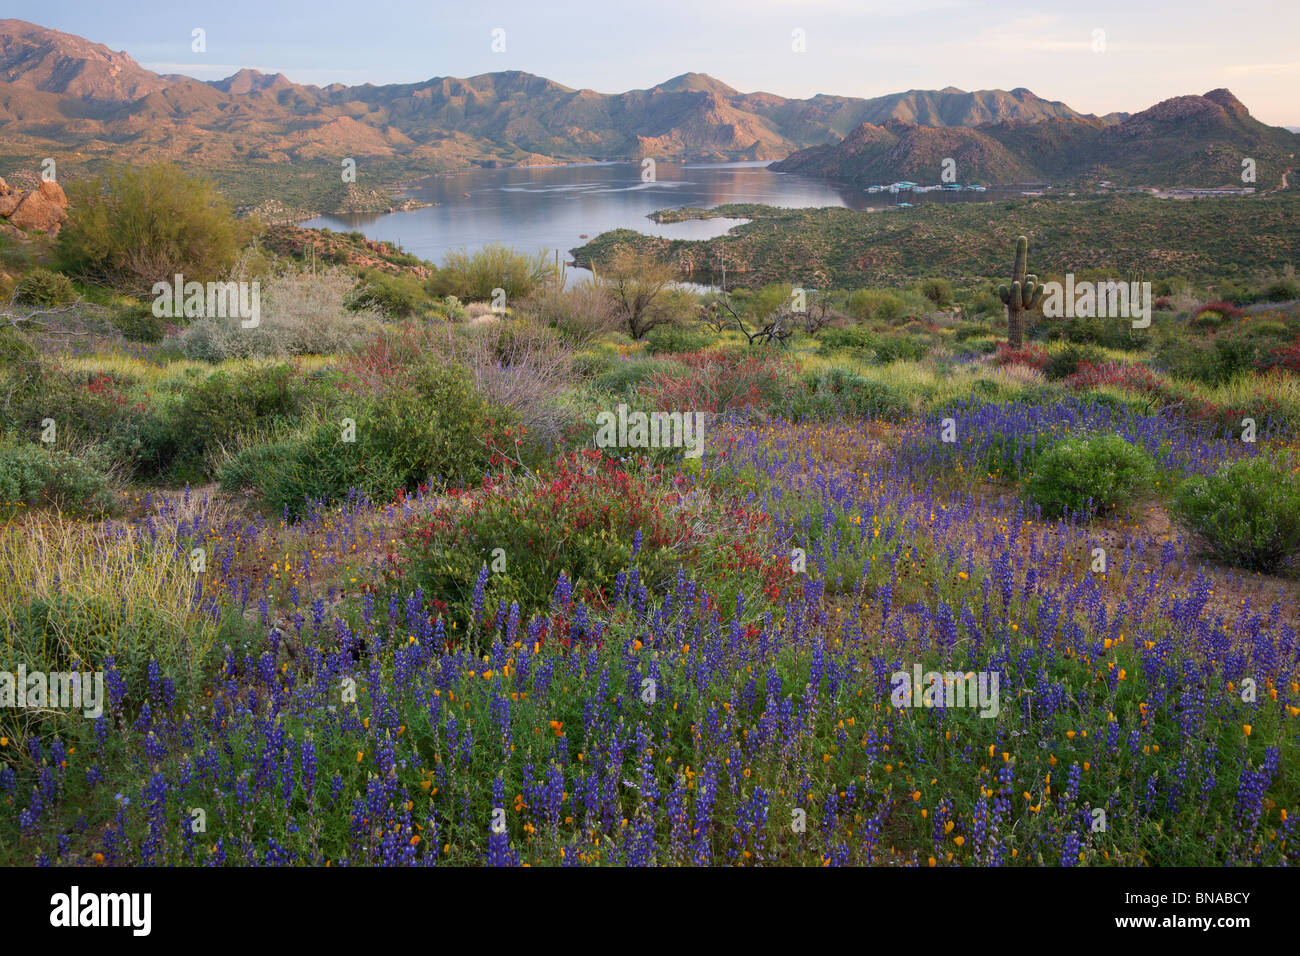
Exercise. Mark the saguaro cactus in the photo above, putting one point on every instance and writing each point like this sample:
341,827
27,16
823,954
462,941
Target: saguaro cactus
1023,293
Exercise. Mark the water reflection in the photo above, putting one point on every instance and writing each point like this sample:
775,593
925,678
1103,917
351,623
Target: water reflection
559,207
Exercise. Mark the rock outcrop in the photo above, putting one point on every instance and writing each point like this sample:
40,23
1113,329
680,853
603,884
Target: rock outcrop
42,209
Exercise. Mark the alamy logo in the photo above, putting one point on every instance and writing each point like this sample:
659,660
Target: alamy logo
59,690
215,300
653,430
946,689
102,909
1101,300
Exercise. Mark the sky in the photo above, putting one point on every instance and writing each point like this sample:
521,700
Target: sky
1097,57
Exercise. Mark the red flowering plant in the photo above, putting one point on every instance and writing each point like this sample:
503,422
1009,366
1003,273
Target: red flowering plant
1285,358
1030,355
1139,378
590,519
722,380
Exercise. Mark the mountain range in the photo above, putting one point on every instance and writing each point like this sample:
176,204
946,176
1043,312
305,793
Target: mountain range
62,94
1184,141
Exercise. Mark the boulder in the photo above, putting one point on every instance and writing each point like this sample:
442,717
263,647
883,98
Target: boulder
4,187
35,212
9,202
53,192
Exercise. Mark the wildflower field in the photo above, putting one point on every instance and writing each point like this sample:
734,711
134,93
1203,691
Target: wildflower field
913,576
587,657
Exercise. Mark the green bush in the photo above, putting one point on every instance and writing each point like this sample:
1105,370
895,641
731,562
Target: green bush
137,323
581,524
938,291
432,428
624,378
883,348
876,304
1107,333
44,289
224,410
396,296
86,408
32,476
666,339
141,225
1281,290
839,393
970,330
1247,513
1065,363
473,276
53,633
1088,475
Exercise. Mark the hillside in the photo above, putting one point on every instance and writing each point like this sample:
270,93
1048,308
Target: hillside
1184,141
63,92
843,248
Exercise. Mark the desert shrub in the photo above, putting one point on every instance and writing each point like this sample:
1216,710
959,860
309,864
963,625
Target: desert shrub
839,393
867,304
144,224
1109,333
722,380
1247,514
179,438
845,337
32,476
642,291
1066,362
882,348
474,275
451,309
1281,289
1213,315
970,330
519,366
581,315
86,408
898,348
938,291
666,339
628,375
44,289
987,303
20,365
301,314
1217,360
1032,356
596,361
590,521
1086,475
137,323
430,427
1285,357
396,296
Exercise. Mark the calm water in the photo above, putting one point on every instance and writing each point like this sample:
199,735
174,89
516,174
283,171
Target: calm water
553,207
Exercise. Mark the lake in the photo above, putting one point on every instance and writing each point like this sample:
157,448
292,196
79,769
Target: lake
554,207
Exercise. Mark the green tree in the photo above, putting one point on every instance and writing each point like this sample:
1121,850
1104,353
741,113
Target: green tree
140,225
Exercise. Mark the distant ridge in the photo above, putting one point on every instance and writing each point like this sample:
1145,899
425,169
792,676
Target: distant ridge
1183,141
57,89
62,92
